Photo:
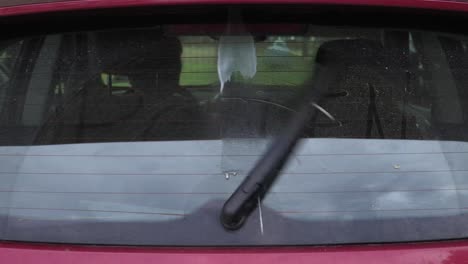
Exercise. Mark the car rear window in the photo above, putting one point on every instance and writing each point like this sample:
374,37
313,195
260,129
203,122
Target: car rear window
127,136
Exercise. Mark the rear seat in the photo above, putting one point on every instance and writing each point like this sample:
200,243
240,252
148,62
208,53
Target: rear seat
158,109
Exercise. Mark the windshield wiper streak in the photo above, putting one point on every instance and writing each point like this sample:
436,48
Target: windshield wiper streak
257,183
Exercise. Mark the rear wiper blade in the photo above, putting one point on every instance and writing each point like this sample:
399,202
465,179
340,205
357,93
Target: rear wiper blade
260,179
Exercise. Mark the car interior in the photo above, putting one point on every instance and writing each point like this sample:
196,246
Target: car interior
126,85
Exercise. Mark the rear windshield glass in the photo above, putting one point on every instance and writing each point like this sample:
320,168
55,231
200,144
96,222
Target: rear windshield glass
138,136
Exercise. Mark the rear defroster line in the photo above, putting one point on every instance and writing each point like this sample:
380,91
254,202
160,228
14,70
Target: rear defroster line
91,210
260,214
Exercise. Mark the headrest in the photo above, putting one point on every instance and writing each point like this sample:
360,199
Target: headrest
351,51
138,51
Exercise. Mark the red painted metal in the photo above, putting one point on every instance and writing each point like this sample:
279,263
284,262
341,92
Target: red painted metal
440,252
100,4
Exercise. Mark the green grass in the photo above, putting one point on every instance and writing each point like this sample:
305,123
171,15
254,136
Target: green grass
204,74
199,67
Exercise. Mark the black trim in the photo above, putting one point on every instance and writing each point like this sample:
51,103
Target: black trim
374,17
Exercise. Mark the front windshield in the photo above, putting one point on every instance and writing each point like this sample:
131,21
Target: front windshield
138,136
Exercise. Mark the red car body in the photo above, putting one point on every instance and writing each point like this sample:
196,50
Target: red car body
427,252
32,7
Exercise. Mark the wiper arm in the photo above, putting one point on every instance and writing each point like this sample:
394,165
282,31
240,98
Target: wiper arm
260,179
